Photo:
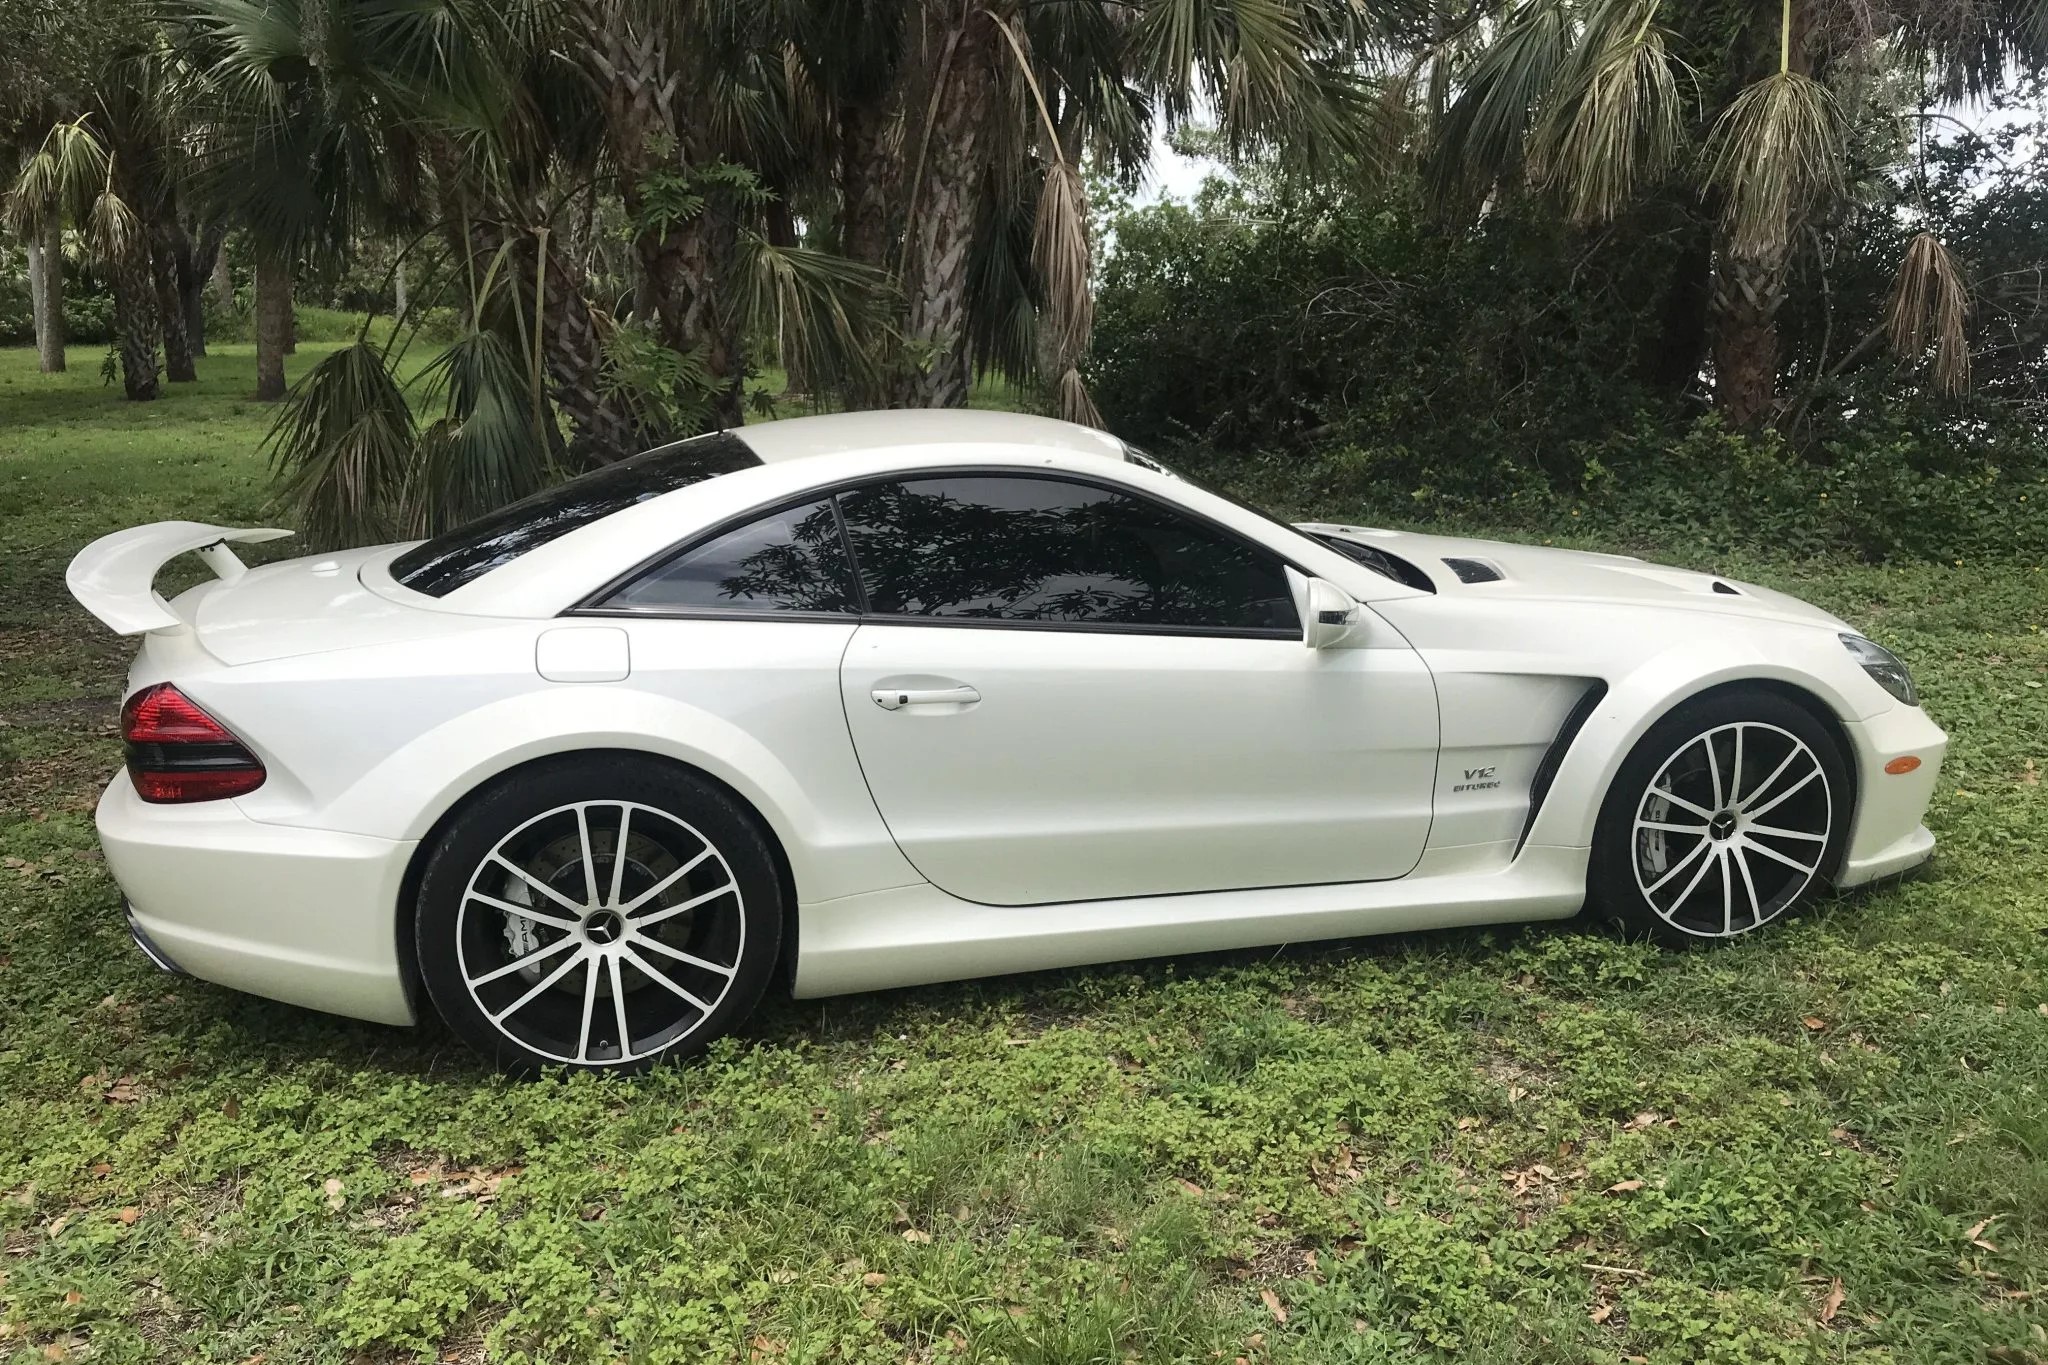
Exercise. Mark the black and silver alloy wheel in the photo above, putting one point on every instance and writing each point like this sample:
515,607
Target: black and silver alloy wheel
1732,829
598,921
1722,819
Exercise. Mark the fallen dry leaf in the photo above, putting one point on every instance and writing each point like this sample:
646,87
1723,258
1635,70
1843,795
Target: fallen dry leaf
1273,1305
1814,1025
1625,1187
874,1279
1602,1313
128,1215
916,1235
1833,1303
335,1198
72,1298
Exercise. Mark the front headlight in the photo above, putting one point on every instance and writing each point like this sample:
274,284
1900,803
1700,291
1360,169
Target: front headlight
1886,667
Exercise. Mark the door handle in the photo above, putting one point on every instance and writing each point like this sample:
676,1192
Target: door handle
896,698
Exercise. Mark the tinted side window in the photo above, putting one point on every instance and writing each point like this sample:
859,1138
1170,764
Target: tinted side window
443,564
1027,549
792,560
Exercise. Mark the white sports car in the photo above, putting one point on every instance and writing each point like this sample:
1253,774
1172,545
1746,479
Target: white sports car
899,697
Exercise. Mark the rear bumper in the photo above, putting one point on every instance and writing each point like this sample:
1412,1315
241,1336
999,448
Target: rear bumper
1888,837
299,915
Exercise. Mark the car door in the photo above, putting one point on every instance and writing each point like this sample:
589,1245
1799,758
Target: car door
1063,690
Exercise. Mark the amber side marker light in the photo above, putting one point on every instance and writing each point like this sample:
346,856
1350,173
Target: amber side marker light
1902,765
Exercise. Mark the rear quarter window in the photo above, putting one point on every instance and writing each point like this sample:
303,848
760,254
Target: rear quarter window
439,566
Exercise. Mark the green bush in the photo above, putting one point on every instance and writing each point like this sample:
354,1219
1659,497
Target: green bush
1887,489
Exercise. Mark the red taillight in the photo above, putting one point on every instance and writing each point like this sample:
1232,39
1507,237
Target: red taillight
176,752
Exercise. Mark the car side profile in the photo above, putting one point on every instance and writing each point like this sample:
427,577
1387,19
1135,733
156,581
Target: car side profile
881,699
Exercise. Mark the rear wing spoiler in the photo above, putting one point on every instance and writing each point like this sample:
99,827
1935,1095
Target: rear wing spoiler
114,577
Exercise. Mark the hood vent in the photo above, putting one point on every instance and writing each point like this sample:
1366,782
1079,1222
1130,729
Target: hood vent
1726,590
1473,570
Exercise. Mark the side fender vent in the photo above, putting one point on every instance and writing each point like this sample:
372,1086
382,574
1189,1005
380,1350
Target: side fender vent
1553,757
1726,589
1473,570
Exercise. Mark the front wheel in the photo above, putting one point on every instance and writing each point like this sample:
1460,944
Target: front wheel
598,913
1727,815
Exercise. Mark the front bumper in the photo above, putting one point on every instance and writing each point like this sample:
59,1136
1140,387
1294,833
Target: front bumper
1888,837
305,916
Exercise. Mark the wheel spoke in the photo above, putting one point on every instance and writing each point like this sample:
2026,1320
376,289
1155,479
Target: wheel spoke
665,883
537,884
1677,868
522,963
691,904
1778,833
550,979
1782,797
1713,768
1735,773
1668,828
1776,856
662,979
526,912
1760,788
1756,904
688,959
589,1008
619,854
1697,878
589,861
1683,804
1727,891
619,1007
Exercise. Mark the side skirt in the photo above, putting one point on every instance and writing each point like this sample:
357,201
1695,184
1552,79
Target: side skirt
915,935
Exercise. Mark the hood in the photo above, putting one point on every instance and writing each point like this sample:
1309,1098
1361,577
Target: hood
1498,568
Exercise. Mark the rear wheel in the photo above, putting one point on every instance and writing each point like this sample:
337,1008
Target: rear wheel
1726,816
598,913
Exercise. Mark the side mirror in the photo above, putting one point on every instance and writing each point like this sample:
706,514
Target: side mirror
1329,615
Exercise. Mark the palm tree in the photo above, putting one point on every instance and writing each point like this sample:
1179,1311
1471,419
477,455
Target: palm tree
962,127
74,178
1593,103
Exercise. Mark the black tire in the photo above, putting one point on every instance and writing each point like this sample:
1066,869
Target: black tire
654,942
1767,841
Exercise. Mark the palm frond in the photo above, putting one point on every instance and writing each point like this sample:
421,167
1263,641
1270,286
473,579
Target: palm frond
64,176
1485,132
1060,255
1614,123
487,450
1775,154
1930,303
343,448
824,312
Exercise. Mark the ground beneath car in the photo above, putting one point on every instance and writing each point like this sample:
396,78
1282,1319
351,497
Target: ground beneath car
1521,1145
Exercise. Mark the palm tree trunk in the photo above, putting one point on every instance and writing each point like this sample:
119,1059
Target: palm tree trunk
135,322
46,260
1748,292
684,262
195,264
223,280
170,307
273,323
941,221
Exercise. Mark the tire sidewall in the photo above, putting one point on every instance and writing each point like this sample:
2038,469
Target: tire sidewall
1611,889
512,800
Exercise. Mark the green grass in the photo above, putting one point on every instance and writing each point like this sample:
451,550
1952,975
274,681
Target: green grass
1429,1144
